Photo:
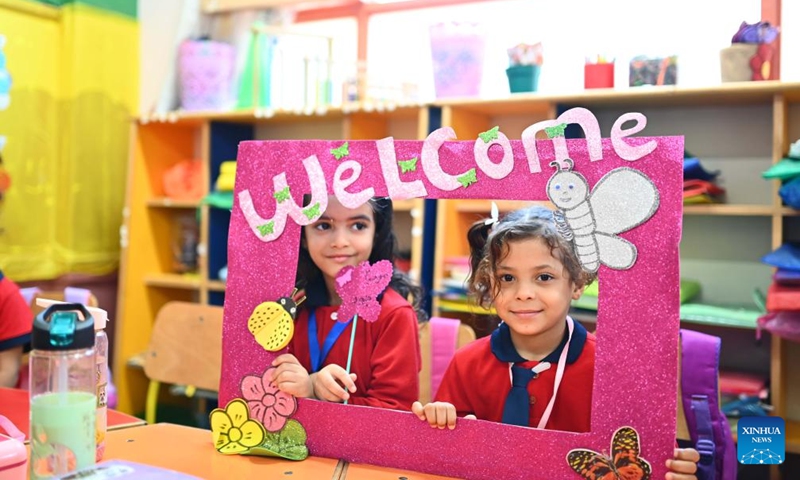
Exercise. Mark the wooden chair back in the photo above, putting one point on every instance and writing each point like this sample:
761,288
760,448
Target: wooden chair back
186,346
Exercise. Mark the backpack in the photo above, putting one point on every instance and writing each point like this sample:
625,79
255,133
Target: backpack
708,427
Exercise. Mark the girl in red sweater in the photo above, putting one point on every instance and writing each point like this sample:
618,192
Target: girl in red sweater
386,355
526,270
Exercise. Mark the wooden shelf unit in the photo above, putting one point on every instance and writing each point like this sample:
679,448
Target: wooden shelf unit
739,129
147,280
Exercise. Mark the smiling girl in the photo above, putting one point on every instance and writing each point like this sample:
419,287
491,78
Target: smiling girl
386,354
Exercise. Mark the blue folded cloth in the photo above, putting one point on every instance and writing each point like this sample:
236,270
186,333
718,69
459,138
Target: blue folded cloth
692,170
786,257
790,193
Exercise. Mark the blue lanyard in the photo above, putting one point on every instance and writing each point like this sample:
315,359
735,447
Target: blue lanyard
330,339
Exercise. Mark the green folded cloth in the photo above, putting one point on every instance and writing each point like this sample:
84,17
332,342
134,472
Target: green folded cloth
689,290
715,315
786,169
220,200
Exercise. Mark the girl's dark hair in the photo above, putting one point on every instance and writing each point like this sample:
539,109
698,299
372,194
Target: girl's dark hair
489,246
384,247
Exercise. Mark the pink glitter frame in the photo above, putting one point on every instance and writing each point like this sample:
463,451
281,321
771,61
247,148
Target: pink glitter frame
638,322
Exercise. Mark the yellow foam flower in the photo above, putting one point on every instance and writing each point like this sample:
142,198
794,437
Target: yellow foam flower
234,432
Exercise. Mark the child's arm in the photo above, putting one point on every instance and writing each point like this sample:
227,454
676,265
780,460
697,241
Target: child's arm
292,378
9,366
328,383
437,414
683,465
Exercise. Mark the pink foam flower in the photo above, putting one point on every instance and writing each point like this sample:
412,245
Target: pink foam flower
266,402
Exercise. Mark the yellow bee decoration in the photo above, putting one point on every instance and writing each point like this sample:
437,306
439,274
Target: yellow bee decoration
272,323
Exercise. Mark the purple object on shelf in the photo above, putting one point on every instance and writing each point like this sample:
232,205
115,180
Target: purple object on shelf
761,32
786,277
206,73
457,51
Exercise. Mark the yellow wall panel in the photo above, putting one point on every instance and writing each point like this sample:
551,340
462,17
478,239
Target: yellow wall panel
75,89
30,125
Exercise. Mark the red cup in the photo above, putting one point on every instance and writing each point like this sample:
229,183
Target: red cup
598,75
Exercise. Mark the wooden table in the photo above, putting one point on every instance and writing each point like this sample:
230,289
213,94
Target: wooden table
190,450
357,471
15,405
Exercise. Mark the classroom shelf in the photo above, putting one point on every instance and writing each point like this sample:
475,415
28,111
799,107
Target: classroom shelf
738,129
166,202
172,280
160,142
282,116
792,436
484,206
729,209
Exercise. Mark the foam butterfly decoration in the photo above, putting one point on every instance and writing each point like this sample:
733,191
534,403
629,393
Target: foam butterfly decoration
489,135
341,151
467,178
623,199
409,165
623,464
359,288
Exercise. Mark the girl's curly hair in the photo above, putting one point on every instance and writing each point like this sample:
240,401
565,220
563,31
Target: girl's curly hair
489,246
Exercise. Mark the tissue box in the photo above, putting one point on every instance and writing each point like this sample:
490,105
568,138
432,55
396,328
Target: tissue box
735,62
13,459
654,71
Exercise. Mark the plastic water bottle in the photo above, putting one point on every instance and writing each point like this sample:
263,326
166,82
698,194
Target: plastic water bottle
100,317
101,376
62,391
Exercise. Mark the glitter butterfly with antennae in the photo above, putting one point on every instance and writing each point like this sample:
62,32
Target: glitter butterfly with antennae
624,198
623,464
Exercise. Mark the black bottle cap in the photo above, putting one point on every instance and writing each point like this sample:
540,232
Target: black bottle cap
59,327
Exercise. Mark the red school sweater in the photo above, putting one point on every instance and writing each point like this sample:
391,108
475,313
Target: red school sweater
477,383
386,352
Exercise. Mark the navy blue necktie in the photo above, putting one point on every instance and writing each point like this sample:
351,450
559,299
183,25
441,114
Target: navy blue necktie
517,407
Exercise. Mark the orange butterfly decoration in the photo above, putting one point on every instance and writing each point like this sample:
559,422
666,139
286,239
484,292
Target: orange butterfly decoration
624,463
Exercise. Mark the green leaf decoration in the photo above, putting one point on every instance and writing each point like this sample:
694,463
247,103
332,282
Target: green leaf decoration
468,178
408,165
557,131
489,135
341,152
282,195
312,212
267,228
289,443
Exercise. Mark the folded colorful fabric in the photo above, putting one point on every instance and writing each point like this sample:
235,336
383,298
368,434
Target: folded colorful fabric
693,170
790,193
783,298
786,169
716,315
783,324
588,301
696,187
699,199
787,257
786,277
